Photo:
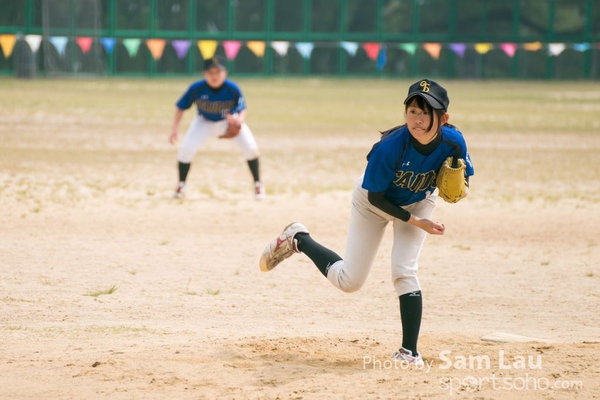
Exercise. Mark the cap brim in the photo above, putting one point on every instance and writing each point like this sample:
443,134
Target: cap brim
429,99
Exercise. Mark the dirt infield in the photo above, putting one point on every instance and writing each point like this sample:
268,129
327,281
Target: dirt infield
111,289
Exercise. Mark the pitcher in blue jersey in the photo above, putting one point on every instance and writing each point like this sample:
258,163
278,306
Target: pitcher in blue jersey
220,105
398,186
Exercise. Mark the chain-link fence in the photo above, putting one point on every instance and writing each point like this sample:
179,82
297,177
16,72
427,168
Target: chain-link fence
451,38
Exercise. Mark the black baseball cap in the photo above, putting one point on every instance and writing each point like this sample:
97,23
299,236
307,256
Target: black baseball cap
215,61
435,95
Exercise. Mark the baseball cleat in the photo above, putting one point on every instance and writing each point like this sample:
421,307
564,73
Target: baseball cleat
281,248
179,191
259,191
406,355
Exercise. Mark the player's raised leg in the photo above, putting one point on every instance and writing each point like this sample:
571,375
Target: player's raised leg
366,229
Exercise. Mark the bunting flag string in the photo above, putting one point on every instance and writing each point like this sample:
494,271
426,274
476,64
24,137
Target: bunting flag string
181,47
85,43
7,42
34,42
377,52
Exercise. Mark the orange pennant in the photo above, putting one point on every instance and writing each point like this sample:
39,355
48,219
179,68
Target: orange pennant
156,47
434,49
258,48
7,42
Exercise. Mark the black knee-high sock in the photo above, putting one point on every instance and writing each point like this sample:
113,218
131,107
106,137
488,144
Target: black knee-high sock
253,164
184,168
319,254
411,311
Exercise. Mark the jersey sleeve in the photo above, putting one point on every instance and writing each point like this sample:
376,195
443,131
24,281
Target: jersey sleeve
241,102
458,142
186,99
381,167
465,156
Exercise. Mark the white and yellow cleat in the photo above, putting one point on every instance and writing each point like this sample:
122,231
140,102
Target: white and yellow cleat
282,247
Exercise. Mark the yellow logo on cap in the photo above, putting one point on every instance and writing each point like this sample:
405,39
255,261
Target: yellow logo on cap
425,86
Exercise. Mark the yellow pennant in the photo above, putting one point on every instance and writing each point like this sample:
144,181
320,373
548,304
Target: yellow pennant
258,48
207,48
483,48
7,42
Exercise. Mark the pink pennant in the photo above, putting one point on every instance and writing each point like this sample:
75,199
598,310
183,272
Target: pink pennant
85,43
231,48
509,48
372,50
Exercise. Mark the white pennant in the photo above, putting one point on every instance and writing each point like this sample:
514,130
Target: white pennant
281,47
556,48
34,42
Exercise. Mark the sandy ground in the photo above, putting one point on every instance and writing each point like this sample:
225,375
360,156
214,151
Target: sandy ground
192,317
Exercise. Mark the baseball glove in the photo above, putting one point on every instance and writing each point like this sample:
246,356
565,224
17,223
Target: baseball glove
451,180
233,129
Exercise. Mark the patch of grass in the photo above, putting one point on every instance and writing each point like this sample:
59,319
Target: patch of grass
545,263
462,247
213,292
45,281
164,242
97,293
187,289
237,272
9,299
132,272
590,274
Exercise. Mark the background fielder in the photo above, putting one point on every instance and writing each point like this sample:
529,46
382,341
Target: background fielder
221,113
398,186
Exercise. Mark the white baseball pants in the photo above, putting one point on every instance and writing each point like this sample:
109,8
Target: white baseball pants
201,129
366,229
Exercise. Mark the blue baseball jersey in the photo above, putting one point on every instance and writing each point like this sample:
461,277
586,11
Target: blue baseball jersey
213,104
407,176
